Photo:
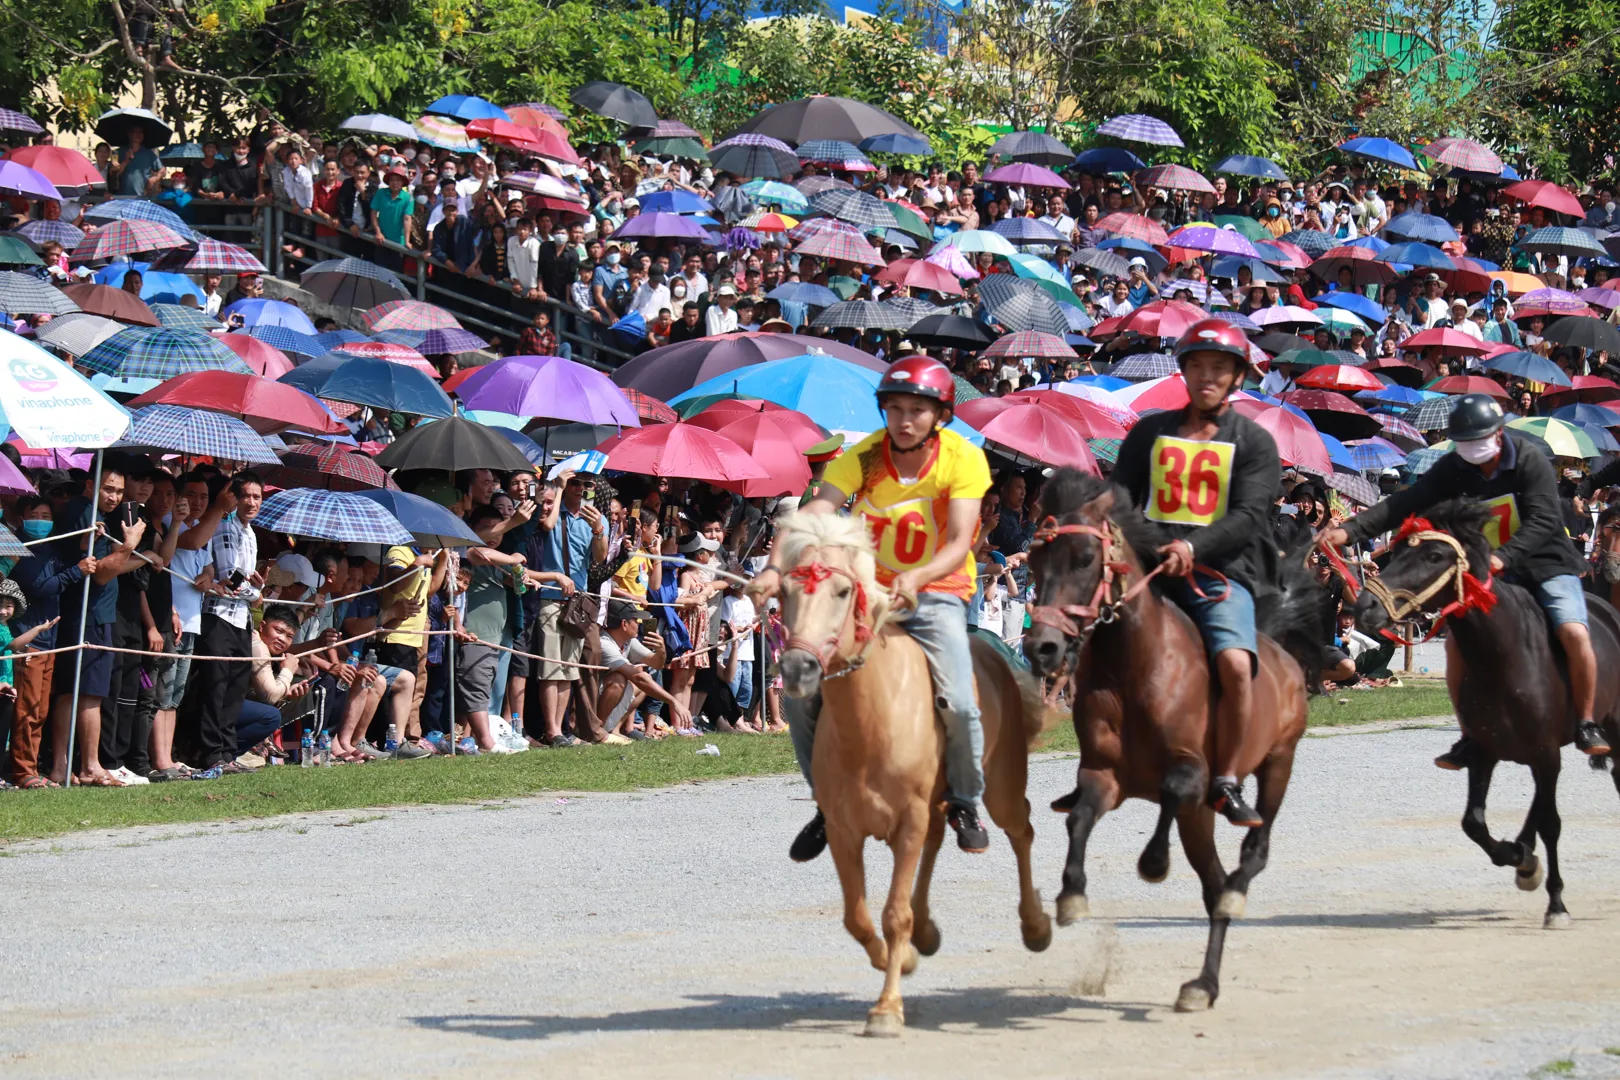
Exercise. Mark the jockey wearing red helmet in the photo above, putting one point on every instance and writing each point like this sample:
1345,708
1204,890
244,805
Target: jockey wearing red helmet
918,486
1210,476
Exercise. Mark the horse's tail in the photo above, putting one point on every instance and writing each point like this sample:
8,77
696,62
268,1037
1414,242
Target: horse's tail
1032,705
1299,615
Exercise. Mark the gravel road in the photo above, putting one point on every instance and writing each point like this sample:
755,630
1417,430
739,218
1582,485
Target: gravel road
667,933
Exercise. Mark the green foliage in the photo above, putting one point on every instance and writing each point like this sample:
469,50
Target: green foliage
1559,62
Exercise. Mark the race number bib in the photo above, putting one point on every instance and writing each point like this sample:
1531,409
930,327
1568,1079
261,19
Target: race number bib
1191,481
903,534
1503,522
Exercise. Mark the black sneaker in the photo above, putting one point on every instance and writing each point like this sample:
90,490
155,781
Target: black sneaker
562,740
1589,739
970,835
1462,753
811,841
1227,797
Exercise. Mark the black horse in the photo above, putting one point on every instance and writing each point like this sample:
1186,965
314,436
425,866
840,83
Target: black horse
1507,676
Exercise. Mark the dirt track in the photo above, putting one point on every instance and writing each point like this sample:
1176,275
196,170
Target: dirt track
666,933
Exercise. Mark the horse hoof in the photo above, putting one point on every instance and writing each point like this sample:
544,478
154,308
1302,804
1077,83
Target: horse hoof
1153,870
1194,997
909,964
1041,937
926,937
884,1025
1230,905
1528,876
1071,908
1557,920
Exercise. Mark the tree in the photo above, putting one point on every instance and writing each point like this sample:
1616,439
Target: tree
1559,63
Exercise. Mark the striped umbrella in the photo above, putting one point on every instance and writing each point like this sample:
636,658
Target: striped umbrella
408,315
862,315
1139,367
180,317
856,207
1173,178
838,245
40,232
1465,154
161,353
1134,127
196,431
78,332
24,294
128,237
287,340
212,257
1032,343
444,133
340,516
353,283
331,466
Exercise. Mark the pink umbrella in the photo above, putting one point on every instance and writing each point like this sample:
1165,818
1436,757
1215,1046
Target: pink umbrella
394,354
1296,257
951,258
1096,421
1298,442
12,481
837,245
1547,195
1134,227
1031,429
50,459
1032,343
1162,319
264,359
1464,154
681,450
921,274
1448,341
1167,393
1023,172
1173,178
1552,302
1285,313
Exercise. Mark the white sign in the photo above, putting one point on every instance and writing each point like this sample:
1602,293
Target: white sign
49,404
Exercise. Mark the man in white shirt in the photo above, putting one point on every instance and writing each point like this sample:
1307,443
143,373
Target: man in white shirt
720,318
651,296
523,261
1460,321
297,181
213,300
692,270
1057,218
473,182
227,630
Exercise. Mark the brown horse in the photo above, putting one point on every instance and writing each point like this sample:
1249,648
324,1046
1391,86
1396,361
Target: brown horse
878,763
1144,701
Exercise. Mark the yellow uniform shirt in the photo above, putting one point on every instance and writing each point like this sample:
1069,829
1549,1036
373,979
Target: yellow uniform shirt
411,632
908,520
632,577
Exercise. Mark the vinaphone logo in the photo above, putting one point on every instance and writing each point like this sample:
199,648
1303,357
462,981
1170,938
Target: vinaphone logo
32,375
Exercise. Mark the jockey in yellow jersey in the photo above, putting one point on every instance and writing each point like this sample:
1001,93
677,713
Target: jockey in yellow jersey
918,487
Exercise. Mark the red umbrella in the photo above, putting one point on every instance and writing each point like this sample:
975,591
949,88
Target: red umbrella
1340,377
268,406
112,303
802,431
60,165
394,354
1162,319
266,360
1590,389
1450,342
1335,414
650,408
1547,195
681,449
1298,442
1093,421
776,449
1135,227
920,274
1470,384
1168,393
1033,430
332,466
1032,343
1364,268
535,140
1106,327
533,118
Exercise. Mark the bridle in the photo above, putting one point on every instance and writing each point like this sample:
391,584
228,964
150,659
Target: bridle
810,576
1105,606
1403,605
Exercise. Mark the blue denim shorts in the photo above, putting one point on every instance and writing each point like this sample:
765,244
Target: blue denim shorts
1222,623
1562,598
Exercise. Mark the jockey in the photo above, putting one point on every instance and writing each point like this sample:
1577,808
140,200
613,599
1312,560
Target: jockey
918,486
1527,536
1210,476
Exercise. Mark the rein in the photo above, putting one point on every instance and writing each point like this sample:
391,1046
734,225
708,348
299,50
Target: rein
1402,604
810,576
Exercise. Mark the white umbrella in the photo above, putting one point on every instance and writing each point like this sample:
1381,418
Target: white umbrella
379,124
49,404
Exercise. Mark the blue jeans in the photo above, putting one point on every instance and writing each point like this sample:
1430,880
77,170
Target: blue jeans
1223,623
939,625
743,688
1562,598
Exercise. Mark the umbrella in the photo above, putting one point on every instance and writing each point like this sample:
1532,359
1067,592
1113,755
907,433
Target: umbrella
1031,429
949,332
862,315
777,449
1464,154
1314,242
1601,297
141,210
1449,342
1556,240
1162,319
1591,389
444,133
1582,413
529,112
212,256
1565,438
1413,253
855,207
1173,178
284,339
718,415
268,406
1286,315
1432,415
1364,266
183,152
1334,414
1248,165
126,236
77,332
431,525
352,283
1032,343
180,317
71,172
1375,453
1142,367
1242,322
1034,146
394,353
616,102
384,127
1469,384
811,295
1108,159
1022,230
1027,173
1133,226
160,353
465,107
13,121
1585,333
1426,227
976,240
920,274
340,516
196,432
1353,486
548,387
1134,127
364,380
407,315
558,441
896,143
24,294
667,371
533,450
755,156
1340,377
1227,266
1212,239
1299,444
661,226
649,409
774,193
826,117
450,446
1355,303
836,153
115,124
157,287
684,450
838,396
1384,150
1528,365
1018,305
39,232
1547,195
1104,263
1400,431
20,180
843,246
262,312
675,202
262,357
330,466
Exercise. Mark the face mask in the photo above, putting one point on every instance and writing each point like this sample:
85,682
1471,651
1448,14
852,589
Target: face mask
385,159
677,292
559,238
36,529
613,259
1479,451
421,200
1271,211
179,189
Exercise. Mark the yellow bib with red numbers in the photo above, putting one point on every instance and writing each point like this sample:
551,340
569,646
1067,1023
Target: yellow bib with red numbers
1191,481
1503,522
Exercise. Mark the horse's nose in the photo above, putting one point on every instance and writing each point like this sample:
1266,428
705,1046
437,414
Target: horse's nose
801,675
1042,652
1370,614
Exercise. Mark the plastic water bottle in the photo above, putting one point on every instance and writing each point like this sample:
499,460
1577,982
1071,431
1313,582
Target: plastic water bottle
306,752
326,749
391,740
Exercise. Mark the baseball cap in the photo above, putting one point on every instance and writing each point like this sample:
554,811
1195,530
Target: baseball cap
698,542
301,569
1139,261
728,289
619,611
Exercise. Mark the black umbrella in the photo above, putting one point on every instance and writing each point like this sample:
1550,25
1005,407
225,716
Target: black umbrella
1584,332
561,441
1021,305
950,332
114,126
616,102
754,161
451,446
1277,342
1033,146
826,118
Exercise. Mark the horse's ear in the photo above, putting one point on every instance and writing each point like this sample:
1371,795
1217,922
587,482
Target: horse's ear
1099,508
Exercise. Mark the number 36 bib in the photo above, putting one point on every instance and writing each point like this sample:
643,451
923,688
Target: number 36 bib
1191,481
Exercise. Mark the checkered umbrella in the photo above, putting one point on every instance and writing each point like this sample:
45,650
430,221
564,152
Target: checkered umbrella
331,515
1399,432
754,155
353,283
1556,240
212,256
650,409
912,308
77,333
330,466
1021,305
11,120
331,339
1375,453
1239,320
195,431
1139,367
288,341
855,207
1032,343
1313,242
815,185
161,353
1173,178
1431,415
180,317
140,210
451,340
408,315
1353,486
813,227
1465,154
25,294
1022,230
40,232
862,315
837,245
1105,263
1134,127
127,236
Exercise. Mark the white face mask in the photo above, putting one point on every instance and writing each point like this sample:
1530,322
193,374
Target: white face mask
1479,451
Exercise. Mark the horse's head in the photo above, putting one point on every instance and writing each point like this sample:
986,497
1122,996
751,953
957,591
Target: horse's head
831,601
1437,566
1608,545
1080,548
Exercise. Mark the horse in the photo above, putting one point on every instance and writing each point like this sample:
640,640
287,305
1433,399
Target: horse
1144,700
1607,554
878,763
1505,671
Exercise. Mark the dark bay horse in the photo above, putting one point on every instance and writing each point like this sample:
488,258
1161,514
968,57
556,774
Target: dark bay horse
1144,700
1507,676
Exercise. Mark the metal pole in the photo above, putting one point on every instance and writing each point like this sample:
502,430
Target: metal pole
450,660
84,617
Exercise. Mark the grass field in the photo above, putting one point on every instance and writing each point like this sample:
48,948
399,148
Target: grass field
288,789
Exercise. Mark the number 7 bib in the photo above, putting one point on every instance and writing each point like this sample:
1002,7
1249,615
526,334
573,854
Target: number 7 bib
1191,481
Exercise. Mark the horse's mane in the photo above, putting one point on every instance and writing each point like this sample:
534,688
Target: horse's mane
1465,520
1069,489
799,531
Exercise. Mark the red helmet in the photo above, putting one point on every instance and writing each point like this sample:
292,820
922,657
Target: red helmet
920,375
1214,335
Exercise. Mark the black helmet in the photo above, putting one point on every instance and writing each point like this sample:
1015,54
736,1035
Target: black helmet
1475,416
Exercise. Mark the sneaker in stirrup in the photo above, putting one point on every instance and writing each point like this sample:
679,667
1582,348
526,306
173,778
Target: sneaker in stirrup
1589,739
970,835
811,841
1227,797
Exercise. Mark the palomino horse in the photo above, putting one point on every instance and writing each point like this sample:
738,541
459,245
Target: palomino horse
1505,671
878,764
1144,700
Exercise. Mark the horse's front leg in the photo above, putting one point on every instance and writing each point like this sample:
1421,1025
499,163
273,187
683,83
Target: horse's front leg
924,933
1098,793
888,1016
851,864
1501,852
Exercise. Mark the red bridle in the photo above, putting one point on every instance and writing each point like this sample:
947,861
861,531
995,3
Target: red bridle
810,576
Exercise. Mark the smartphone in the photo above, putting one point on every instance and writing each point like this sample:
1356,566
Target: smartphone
236,579
590,492
126,514
635,510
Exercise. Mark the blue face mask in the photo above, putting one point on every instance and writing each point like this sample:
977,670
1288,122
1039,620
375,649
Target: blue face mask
36,528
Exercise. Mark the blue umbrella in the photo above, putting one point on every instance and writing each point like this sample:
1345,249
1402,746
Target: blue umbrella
1396,394
182,152
1421,461
1248,165
1313,242
531,449
1582,413
1078,320
1374,244
156,286
365,380
196,431
1338,453
1375,453
803,292
674,202
1241,321
1102,382
1415,226
1356,304
1386,150
331,339
342,516
465,107
1416,254
1527,365
1108,159
896,143
1227,266
1601,436
899,239
263,312
288,341
431,525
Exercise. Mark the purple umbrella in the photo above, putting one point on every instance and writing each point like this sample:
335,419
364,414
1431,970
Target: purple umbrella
547,388
12,481
450,340
1137,128
661,226
1215,239
18,179
1025,173
12,120
1554,300
673,369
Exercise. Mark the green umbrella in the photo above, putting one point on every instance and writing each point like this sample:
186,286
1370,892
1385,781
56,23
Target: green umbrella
1247,226
1339,321
690,408
14,251
1105,450
909,221
1565,438
845,287
1307,357
682,147
965,390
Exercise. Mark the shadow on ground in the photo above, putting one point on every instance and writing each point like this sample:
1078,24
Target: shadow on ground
1372,920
